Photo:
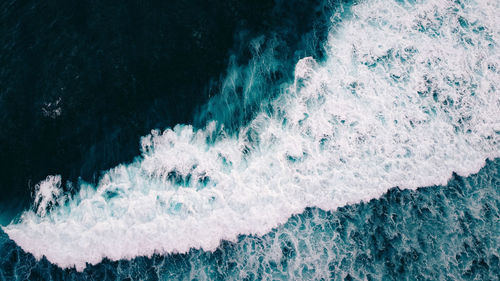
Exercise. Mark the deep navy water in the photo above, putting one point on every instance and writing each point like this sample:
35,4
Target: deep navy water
116,70
315,140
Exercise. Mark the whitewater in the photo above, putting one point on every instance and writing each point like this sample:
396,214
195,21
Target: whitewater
406,95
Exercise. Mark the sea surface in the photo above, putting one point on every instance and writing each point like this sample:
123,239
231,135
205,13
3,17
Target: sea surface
250,140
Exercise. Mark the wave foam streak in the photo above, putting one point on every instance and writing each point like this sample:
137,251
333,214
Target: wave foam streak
407,95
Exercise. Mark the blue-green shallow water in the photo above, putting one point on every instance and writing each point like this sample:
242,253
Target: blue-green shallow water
435,233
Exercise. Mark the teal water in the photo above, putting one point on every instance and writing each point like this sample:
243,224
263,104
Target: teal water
434,233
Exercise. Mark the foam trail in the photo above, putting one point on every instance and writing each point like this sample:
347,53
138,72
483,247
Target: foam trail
407,95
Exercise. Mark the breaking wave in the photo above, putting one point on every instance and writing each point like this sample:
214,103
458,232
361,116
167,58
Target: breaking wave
406,95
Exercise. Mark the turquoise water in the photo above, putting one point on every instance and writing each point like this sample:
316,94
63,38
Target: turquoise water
435,233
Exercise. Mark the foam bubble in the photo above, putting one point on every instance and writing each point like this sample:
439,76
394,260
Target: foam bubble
407,95
46,194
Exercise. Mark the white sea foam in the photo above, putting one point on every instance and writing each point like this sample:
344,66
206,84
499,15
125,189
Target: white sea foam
46,194
407,95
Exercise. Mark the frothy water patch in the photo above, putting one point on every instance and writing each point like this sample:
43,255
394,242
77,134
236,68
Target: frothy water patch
407,95
434,233
46,194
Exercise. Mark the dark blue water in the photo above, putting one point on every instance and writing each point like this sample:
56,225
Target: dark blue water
82,81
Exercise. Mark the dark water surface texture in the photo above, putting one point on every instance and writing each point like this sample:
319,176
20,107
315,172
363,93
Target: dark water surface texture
82,81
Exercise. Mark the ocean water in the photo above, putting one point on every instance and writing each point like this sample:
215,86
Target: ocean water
360,144
432,233
83,81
